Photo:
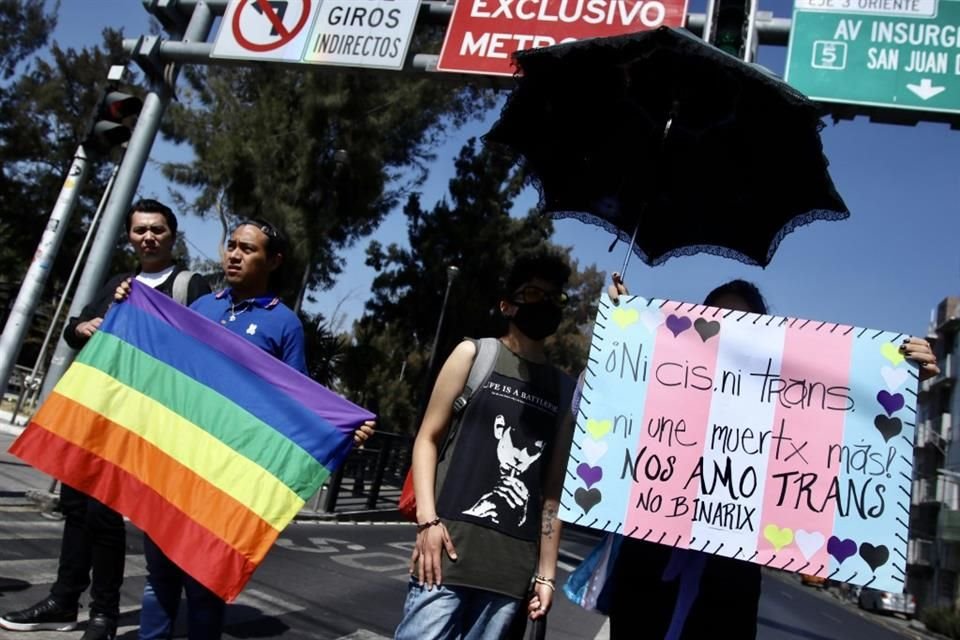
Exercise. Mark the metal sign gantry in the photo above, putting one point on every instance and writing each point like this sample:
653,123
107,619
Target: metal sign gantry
189,22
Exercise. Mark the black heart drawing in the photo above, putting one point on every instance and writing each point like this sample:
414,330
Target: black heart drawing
587,499
888,427
874,556
706,328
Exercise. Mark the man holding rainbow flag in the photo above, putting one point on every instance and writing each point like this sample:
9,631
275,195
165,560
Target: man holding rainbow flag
93,544
185,428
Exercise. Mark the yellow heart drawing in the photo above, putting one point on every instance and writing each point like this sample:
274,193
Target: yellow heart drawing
778,537
890,351
598,428
625,317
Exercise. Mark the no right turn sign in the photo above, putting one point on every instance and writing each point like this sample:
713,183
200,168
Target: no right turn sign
358,33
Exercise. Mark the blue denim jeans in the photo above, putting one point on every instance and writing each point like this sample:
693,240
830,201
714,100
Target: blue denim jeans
455,613
161,599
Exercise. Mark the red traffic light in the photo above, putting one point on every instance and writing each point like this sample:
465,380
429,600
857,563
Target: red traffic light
119,106
116,116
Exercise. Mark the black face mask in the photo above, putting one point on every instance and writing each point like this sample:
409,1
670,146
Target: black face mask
538,320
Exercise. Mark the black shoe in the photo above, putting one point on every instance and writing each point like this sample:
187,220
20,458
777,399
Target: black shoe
100,627
47,614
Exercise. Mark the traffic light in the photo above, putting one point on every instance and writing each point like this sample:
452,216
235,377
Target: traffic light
733,26
115,119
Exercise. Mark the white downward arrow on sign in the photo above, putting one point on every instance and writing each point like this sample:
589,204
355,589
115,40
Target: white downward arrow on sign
925,90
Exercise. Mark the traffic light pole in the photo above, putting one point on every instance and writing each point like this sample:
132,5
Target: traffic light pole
36,278
124,188
745,30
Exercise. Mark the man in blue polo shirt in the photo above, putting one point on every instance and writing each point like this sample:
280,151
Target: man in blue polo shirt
253,255
251,261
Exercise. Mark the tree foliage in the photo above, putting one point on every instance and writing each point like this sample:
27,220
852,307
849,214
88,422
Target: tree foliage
386,366
47,97
269,143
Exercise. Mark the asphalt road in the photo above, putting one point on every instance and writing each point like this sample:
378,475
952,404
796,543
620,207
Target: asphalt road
347,582
790,611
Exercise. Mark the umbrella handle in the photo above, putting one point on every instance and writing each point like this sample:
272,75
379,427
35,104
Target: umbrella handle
633,241
633,238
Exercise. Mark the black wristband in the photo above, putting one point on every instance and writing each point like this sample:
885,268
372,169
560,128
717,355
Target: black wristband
427,525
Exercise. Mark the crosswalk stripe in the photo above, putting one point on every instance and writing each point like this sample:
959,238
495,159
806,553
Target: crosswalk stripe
44,570
41,530
257,604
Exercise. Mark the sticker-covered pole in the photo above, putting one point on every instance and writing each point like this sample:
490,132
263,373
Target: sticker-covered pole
128,177
33,283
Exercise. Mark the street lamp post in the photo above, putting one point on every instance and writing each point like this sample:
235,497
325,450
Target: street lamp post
452,272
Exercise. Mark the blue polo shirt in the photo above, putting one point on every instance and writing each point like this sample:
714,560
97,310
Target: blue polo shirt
264,321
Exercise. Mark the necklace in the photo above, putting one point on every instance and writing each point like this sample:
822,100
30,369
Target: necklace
234,313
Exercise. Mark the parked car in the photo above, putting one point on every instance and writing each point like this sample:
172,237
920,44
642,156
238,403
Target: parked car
812,581
887,602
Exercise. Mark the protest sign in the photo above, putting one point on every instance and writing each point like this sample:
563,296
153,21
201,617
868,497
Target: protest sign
774,440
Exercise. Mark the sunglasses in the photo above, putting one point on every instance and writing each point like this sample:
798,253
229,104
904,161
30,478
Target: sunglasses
532,294
268,229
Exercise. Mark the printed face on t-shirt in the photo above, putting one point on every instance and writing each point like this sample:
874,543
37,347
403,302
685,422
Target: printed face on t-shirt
514,454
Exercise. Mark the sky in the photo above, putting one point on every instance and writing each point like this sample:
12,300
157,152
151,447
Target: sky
886,267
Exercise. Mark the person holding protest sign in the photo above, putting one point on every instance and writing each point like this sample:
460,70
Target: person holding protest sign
488,480
252,259
687,594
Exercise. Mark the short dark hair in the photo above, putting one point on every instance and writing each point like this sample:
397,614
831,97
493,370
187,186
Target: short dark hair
746,291
147,205
276,238
546,265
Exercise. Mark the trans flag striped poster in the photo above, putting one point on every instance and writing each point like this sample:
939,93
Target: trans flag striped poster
768,439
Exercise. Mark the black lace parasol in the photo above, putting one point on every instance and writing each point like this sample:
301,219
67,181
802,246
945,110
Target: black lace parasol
660,136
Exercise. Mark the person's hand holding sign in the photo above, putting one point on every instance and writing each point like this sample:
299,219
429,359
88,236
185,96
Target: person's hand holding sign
918,350
617,289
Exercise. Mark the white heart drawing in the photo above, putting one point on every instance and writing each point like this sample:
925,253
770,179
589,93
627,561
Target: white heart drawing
808,543
593,450
894,377
651,319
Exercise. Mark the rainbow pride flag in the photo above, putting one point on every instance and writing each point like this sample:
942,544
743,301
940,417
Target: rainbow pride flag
204,441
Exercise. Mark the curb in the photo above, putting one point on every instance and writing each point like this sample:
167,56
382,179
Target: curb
31,499
11,430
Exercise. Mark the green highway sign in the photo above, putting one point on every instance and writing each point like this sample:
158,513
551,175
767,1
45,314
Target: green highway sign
903,54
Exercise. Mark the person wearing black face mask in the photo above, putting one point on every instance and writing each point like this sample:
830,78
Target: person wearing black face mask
539,311
488,479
